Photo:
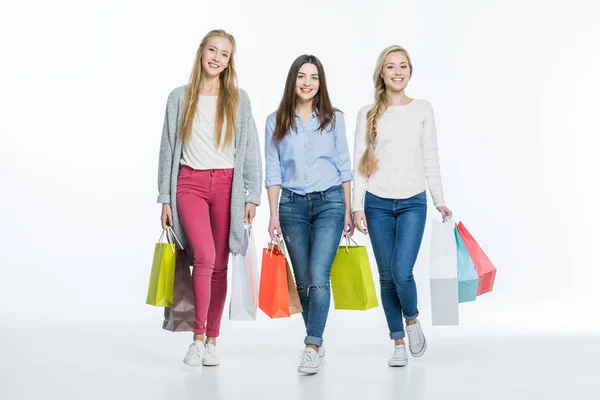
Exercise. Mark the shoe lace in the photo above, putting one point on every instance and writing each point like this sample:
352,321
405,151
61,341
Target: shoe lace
193,350
414,336
308,357
399,351
211,349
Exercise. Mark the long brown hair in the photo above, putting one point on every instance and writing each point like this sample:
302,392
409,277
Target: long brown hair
227,100
286,113
368,162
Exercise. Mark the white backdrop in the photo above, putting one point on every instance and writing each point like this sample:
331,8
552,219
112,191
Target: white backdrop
513,84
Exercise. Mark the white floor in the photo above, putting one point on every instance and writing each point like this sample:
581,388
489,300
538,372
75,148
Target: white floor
118,362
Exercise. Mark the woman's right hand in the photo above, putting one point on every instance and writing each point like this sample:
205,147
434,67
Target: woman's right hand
360,221
166,216
274,227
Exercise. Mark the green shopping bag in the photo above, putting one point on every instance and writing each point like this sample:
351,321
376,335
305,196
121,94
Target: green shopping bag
162,276
352,280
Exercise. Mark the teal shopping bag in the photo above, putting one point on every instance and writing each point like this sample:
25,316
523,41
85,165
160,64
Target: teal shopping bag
468,279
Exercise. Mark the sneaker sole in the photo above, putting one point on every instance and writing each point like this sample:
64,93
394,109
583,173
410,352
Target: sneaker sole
422,351
308,370
191,363
210,363
397,363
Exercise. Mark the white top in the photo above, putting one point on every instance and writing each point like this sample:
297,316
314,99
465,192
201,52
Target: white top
407,153
201,151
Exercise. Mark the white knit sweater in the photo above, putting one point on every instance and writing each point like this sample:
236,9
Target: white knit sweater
407,153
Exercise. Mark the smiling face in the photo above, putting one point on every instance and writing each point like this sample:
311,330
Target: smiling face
307,82
396,71
216,55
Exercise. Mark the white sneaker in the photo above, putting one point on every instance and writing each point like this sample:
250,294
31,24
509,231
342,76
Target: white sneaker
416,339
322,351
310,362
193,358
400,358
211,357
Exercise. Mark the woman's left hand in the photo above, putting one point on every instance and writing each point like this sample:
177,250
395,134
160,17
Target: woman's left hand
445,211
348,225
250,213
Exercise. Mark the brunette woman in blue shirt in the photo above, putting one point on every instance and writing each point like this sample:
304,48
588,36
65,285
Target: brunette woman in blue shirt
308,161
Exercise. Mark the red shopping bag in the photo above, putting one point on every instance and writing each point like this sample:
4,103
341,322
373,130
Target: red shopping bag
483,265
277,297
273,292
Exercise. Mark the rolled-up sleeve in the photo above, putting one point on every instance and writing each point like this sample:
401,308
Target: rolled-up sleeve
341,147
273,173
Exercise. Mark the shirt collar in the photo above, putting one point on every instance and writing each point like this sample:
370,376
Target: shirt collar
315,113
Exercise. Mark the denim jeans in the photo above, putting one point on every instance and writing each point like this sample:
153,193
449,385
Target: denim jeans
396,230
312,227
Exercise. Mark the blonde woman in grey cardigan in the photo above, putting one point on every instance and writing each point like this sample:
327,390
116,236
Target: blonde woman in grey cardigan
209,180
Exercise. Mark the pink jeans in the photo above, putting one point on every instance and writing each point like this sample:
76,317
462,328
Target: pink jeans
203,203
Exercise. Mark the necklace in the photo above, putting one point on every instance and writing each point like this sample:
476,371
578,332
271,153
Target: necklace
209,123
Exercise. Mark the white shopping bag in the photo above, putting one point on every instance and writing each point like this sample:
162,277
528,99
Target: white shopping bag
444,274
244,282
284,250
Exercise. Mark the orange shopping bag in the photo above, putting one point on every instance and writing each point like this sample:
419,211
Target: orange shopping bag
483,265
273,293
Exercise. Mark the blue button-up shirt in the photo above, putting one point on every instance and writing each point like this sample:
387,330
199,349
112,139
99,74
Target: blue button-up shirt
309,160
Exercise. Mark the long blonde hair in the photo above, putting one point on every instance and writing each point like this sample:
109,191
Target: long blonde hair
368,162
227,101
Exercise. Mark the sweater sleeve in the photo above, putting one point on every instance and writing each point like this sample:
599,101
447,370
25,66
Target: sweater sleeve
431,163
360,146
252,161
165,158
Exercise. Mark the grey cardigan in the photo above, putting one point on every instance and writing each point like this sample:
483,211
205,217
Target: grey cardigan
247,176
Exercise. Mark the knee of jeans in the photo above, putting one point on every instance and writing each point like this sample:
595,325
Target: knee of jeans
220,269
385,277
403,277
302,284
204,256
317,287
319,282
387,284
204,263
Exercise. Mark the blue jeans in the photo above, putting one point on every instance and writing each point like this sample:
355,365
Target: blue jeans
312,227
396,231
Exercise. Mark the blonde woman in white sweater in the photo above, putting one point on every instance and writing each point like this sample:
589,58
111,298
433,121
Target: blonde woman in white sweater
395,159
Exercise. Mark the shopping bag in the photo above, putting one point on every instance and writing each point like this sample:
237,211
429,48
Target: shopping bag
352,279
181,316
244,281
468,280
293,297
485,269
273,297
160,287
443,274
